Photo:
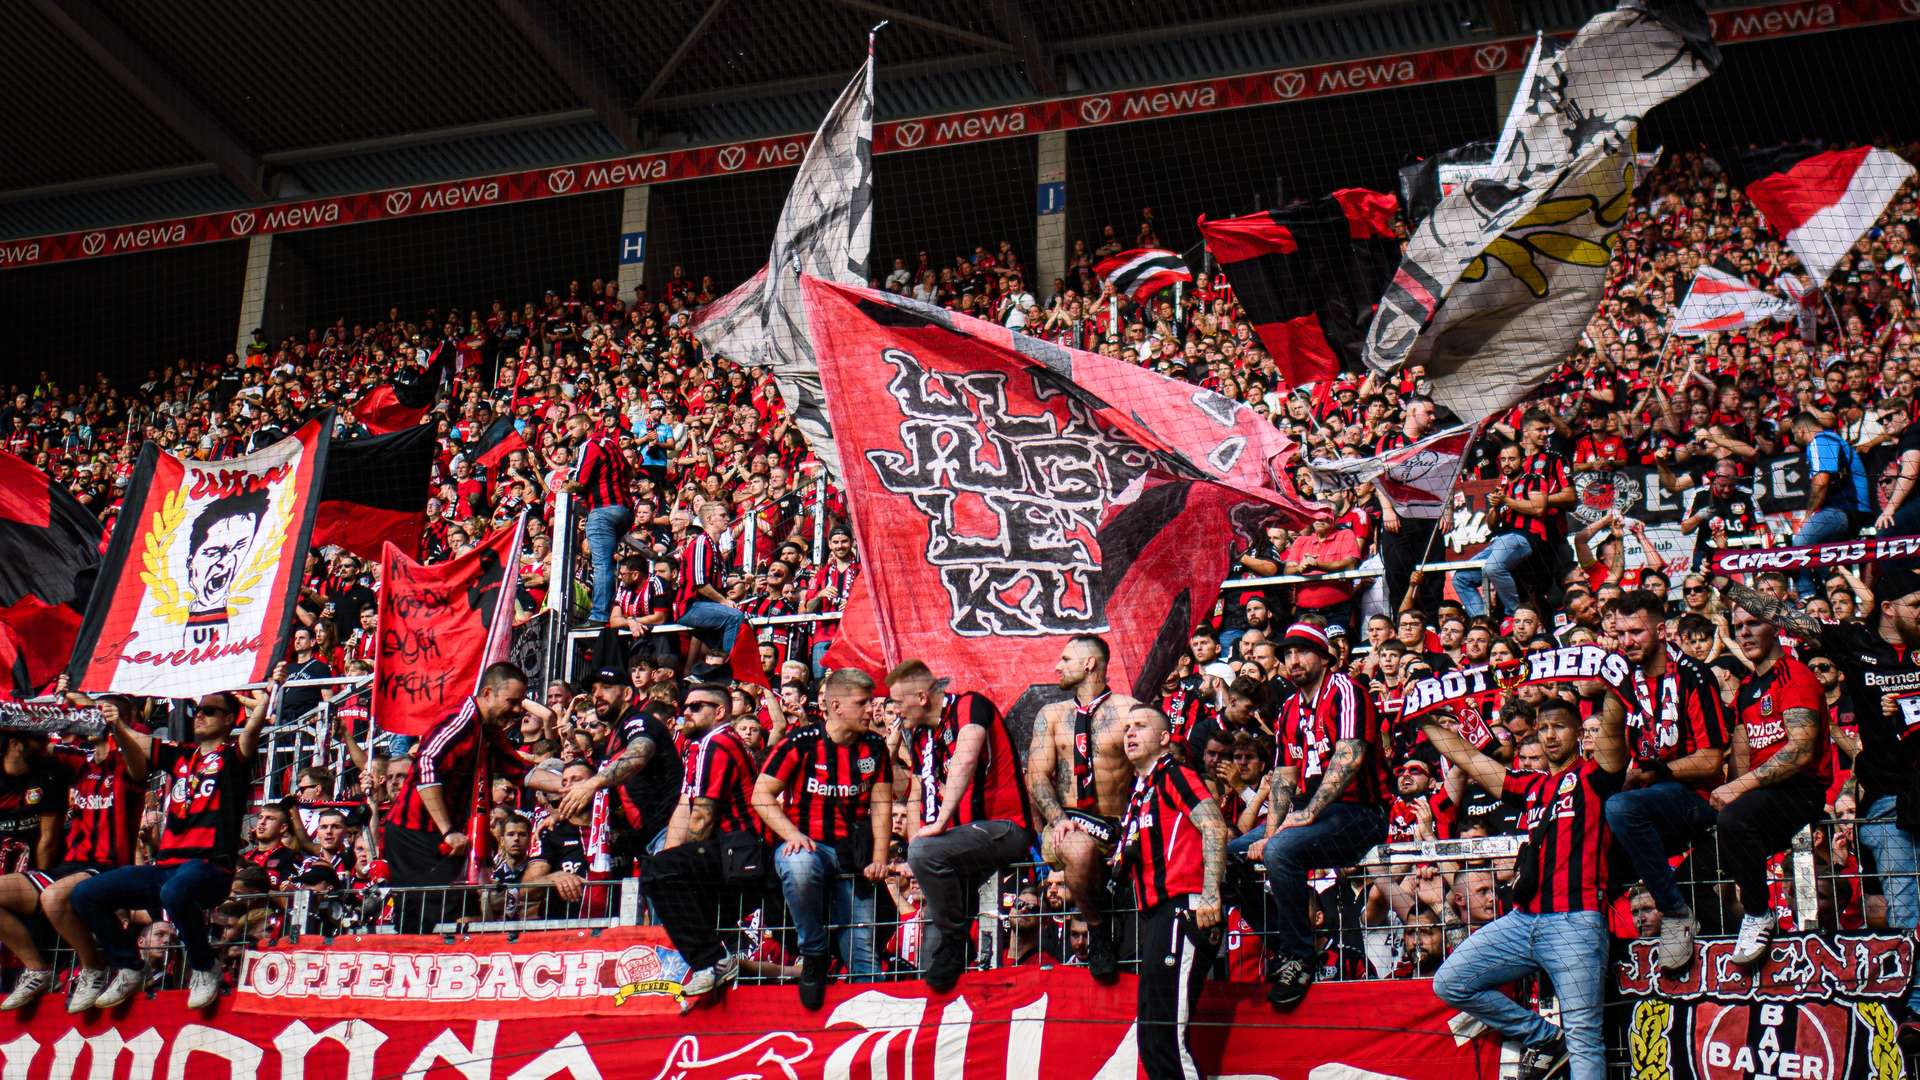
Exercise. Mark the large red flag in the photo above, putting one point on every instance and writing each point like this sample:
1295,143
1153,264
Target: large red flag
1002,505
440,626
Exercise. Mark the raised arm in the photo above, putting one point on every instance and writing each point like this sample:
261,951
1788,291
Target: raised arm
1478,767
1784,614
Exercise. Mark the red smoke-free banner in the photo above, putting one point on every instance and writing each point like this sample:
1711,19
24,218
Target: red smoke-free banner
1446,64
1017,1025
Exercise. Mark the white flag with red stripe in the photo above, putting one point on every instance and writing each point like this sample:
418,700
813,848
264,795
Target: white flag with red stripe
1417,478
1827,201
1719,301
1143,271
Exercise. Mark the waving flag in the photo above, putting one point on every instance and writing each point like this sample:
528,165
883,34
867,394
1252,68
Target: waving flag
825,229
1821,202
1417,478
1501,279
1142,272
49,554
440,626
1308,276
375,492
401,403
197,588
1718,301
1007,494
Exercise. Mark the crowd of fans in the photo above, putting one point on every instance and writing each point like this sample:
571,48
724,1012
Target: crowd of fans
1756,718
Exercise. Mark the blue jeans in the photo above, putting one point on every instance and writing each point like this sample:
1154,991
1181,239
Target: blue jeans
605,526
1571,949
1503,555
817,895
1338,837
185,891
713,623
1823,526
1894,860
1651,823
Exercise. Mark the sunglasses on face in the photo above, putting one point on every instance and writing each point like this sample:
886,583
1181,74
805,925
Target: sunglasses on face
1822,667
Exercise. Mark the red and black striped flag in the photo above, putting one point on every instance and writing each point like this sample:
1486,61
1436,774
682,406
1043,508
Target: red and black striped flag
1143,271
1309,275
494,444
399,404
49,555
375,492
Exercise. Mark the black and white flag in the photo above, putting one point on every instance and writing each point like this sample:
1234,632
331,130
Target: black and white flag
825,229
1143,271
1500,280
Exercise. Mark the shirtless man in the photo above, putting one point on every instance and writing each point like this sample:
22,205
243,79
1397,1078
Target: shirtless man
1077,807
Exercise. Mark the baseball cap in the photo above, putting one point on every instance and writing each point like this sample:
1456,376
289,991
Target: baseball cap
606,673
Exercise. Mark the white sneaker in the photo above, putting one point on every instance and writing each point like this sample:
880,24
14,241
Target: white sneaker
32,984
203,989
727,970
1755,932
126,982
1676,941
707,980
85,989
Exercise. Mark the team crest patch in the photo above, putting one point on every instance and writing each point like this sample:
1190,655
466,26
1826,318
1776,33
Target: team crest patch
1568,783
1766,705
867,765
211,766
32,796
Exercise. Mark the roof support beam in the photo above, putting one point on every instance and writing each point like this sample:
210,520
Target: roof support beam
129,65
567,56
680,54
932,26
1034,54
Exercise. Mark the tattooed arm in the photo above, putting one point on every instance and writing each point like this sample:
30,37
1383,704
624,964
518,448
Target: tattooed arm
1043,790
1348,756
1803,728
1784,614
1213,853
633,757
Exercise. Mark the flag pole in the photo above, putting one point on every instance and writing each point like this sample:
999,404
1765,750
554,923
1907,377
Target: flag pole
1446,505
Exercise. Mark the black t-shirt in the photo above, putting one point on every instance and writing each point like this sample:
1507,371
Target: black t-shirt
40,790
298,701
648,799
1498,816
348,602
1889,749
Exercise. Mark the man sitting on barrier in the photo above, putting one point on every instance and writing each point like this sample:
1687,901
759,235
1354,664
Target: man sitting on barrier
713,850
1077,781
1558,925
1326,802
826,792
209,782
966,811
1676,741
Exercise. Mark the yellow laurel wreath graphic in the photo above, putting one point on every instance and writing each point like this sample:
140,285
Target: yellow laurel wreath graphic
1647,1044
1883,1049
1518,250
265,553
169,600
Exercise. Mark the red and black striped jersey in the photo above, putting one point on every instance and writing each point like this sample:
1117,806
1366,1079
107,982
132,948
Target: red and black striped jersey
1683,714
603,472
1567,836
778,635
840,579
103,809
42,789
449,757
827,787
719,768
1309,728
207,790
997,791
1159,841
699,565
279,861
1520,486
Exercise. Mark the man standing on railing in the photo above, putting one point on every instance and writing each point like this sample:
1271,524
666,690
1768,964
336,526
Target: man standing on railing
641,771
425,838
698,601
1880,667
1558,925
1676,742
1077,781
967,811
826,791
713,849
1781,768
1327,800
208,784
1174,845
599,483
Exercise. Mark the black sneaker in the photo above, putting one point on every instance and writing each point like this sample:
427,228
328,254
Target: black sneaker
1103,959
813,981
1291,980
946,963
1543,1061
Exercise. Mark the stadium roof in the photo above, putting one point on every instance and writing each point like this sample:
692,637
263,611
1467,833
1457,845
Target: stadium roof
122,110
